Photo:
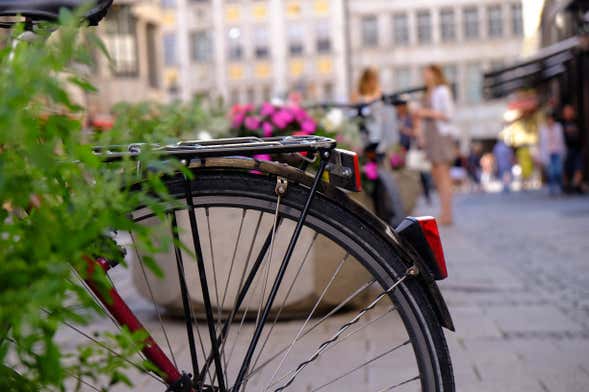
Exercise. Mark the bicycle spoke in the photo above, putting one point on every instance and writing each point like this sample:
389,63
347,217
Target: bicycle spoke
244,289
233,258
399,384
282,270
184,293
366,363
204,287
110,350
301,265
341,330
213,264
300,331
336,309
155,307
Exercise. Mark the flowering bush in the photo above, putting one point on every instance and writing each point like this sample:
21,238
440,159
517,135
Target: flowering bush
272,120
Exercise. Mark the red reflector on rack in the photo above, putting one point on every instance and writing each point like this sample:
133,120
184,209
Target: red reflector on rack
432,235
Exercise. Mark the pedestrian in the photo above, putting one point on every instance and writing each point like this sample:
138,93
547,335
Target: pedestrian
377,126
408,142
504,160
473,165
438,131
552,149
573,164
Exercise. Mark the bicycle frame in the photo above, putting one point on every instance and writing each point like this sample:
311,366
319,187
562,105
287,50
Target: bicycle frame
119,309
340,168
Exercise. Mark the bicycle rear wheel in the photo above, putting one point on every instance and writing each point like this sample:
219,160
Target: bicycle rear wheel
347,317
339,267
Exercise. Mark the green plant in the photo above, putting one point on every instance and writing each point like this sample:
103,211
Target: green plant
59,203
155,122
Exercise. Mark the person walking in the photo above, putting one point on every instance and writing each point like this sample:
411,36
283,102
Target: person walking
408,141
437,132
552,149
504,161
573,163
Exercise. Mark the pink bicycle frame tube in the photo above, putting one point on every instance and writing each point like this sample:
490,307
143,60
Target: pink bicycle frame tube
124,316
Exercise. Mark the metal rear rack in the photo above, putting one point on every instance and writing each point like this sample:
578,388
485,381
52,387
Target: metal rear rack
239,146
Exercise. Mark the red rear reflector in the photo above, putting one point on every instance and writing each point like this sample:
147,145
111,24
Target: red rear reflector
432,235
357,173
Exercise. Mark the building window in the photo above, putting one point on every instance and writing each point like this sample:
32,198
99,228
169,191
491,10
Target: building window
323,37
517,27
447,25
234,97
401,29
152,63
451,73
250,95
235,50
170,49
261,48
295,34
267,93
474,82
424,27
470,18
121,41
495,21
202,49
369,27
328,93
402,78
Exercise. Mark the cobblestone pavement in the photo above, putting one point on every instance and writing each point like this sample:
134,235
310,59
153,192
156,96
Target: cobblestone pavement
519,292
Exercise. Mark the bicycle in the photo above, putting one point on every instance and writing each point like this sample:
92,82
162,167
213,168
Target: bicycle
274,203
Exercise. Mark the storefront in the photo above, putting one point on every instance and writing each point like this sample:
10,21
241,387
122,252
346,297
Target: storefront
557,75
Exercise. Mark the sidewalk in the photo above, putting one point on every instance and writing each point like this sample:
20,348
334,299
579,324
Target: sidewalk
518,290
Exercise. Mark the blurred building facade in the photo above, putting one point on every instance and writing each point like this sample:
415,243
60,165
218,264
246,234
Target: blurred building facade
555,74
465,37
132,34
250,51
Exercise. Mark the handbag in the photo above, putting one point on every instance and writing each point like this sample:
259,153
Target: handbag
417,160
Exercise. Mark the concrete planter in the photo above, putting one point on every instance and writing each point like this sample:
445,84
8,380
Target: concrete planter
321,262
230,260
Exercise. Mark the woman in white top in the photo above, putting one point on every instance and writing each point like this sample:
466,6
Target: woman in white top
437,133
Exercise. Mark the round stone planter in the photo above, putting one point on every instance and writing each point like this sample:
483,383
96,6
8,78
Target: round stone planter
313,263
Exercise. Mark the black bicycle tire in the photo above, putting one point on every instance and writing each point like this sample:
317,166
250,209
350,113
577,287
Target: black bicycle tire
248,186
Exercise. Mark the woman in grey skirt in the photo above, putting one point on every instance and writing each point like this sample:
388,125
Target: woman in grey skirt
437,134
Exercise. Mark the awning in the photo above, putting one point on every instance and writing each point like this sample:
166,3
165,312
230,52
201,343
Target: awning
546,64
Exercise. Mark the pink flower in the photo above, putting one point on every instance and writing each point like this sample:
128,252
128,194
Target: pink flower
237,120
267,109
308,127
370,169
236,109
300,114
288,115
263,157
280,119
267,128
396,160
252,123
